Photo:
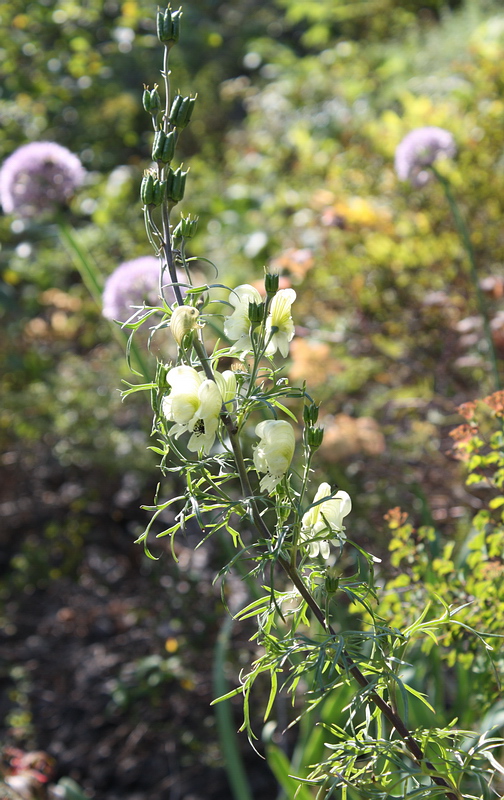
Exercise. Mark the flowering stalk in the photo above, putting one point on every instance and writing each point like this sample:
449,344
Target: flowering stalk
200,417
463,232
415,161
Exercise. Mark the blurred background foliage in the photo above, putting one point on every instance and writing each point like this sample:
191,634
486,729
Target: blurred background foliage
300,107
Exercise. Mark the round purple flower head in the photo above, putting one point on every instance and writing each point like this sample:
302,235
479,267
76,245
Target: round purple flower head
39,177
419,149
132,283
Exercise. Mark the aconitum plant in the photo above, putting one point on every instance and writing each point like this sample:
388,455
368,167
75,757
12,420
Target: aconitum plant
241,443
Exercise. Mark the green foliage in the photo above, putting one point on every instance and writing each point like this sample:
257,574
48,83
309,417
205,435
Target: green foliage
145,680
468,578
384,298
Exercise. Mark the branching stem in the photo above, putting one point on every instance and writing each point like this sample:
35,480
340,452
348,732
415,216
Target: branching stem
347,661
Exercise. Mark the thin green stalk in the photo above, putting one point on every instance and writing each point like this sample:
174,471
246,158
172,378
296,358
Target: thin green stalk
309,453
224,717
463,232
93,280
292,572
89,272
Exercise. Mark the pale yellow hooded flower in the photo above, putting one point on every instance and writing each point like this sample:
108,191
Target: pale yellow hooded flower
325,520
274,452
194,405
237,325
280,322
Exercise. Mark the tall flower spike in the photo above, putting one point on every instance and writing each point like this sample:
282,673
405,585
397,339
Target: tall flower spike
237,325
279,324
194,405
325,520
38,178
274,452
420,149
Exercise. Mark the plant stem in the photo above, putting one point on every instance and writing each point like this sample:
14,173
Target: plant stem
349,664
224,716
93,280
463,232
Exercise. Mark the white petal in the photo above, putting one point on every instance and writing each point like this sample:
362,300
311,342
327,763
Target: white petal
179,407
210,400
226,381
243,295
184,379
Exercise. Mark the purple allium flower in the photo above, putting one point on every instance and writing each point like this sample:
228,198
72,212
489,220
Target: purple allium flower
419,149
39,177
132,283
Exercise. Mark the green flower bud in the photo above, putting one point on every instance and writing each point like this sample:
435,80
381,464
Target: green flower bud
332,581
310,414
152,190
314,437
147,188
271,280
161,373
255,313
187,227
159,192
175,185
168,26
163,148
151,100
181,111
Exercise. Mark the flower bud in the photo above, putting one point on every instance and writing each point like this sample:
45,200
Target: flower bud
313,437
159,192
161,373
181,111
152,190
255,313
163,148
183,320
168,26
175,185
271,280
151,100
332,580
147,188
310,414
187,227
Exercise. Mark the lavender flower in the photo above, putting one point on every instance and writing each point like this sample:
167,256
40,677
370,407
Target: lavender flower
39,177
419,149
132,283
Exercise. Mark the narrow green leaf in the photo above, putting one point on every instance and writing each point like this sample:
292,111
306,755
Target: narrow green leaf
280,767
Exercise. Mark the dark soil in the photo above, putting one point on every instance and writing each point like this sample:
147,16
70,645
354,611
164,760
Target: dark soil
106,656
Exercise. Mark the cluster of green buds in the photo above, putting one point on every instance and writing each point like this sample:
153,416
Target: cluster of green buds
175,185
168,26
163,148
152,101
186,228
181,111
152,190
313,434
168,183
271,281
255,313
